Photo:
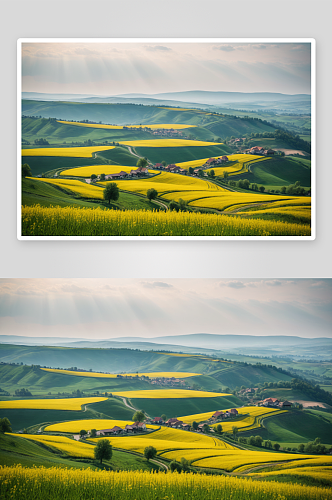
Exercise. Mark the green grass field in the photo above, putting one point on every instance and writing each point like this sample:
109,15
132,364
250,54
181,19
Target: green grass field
180,154
178,407
296,427
279,171
38,192
17,450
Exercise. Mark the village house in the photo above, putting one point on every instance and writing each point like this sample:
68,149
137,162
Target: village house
159,166
273,402
174,422
158,420
285,405
217,415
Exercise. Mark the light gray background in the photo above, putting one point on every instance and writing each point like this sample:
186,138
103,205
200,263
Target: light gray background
160,18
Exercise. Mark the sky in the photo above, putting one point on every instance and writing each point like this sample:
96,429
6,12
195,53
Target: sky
146,67
116,308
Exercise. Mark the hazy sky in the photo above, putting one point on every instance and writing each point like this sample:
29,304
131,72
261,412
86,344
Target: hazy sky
109,308
118,68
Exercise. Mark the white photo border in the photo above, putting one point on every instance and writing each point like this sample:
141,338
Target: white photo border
312,42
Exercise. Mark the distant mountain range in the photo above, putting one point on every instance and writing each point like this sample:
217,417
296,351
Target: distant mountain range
194,343
192,98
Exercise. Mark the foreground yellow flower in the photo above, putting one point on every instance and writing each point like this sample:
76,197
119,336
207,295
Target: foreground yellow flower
55,484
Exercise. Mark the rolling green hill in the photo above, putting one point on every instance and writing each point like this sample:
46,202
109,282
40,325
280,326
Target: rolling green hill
35,191
179,407
17,450
180,154
296,427
279,171
210,125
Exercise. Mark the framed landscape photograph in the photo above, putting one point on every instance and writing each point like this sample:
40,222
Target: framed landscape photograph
166,139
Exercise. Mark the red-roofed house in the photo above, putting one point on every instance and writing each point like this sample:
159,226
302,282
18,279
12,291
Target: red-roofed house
218,414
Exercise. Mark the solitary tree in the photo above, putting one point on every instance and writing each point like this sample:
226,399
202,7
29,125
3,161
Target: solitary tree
164,417
276,446
142,162
93,177
182,204
83,433
191,170
211,173
164,163
262,189
184,464
102,177
225,175
93,433
219,429
173,206
103,450
138,416
195,425
235,430
150,452
5,425
111,192
175,466
200,173
26,170
206,428
152,194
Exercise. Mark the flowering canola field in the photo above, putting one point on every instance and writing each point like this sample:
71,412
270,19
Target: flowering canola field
169,394
64,444
114,375
72,221
49,404
167,439
324,473
96,169
250,421
39,483
175,126
75,187
75,426
168,182
237,167
167,143
77,152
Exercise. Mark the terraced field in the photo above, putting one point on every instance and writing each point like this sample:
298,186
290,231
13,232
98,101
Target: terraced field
114,375
96,169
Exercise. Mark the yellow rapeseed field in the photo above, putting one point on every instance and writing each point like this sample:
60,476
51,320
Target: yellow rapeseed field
228,201
167,143
168,182
72,221
167,439
75,426
97,170
241,460
251,421
54,483
322,473
174,126
168,394
65,445
77,152
114,375
49,404
75,187
240,159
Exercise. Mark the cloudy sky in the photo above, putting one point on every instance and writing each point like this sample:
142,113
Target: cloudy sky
118,68
111,308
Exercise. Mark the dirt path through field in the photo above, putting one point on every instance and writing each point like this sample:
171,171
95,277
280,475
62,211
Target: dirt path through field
127,404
